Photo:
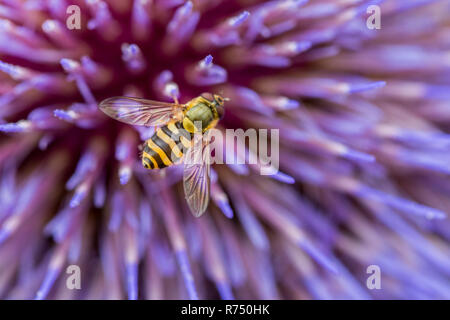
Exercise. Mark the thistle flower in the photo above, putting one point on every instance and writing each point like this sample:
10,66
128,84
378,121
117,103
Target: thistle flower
364,153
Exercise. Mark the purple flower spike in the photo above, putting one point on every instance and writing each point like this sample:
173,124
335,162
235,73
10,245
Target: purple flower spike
238,20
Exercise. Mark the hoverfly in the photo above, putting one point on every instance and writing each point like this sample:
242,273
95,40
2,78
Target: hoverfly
179,127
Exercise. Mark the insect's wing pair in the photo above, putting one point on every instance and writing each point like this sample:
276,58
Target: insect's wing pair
137,111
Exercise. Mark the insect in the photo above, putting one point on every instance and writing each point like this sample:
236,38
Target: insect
180,130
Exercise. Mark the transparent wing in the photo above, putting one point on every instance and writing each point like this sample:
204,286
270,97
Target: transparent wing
196,176
137,111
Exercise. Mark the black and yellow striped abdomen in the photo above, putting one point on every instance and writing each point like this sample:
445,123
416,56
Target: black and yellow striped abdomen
166,146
